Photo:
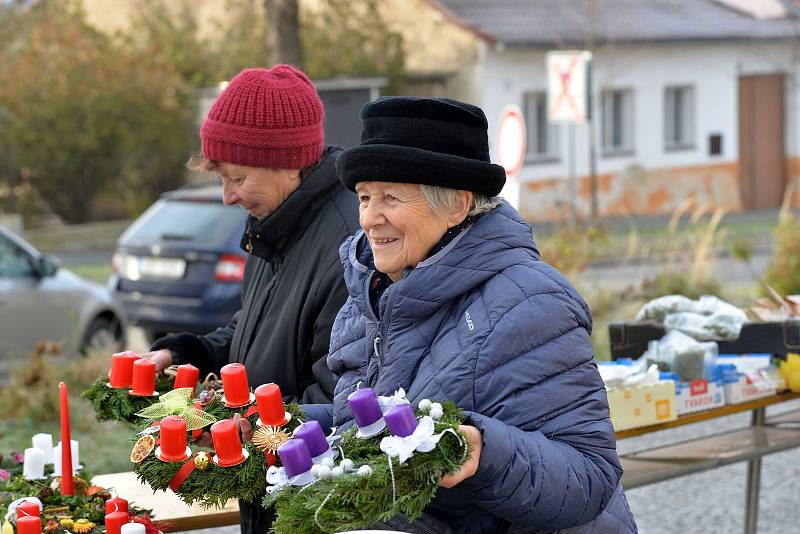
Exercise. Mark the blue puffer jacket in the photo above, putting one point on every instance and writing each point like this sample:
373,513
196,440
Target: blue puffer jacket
485,323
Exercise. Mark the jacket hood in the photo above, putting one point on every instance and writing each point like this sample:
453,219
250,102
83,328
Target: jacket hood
496,241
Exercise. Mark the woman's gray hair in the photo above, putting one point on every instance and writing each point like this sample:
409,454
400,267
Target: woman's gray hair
444,200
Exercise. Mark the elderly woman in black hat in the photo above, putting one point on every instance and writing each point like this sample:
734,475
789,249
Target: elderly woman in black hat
449,299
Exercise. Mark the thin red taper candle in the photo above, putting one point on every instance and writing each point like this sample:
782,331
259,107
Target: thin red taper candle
67,484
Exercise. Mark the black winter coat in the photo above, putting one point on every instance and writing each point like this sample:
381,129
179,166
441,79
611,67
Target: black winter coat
293,288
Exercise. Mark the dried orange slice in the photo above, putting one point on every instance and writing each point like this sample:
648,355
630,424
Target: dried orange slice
144,446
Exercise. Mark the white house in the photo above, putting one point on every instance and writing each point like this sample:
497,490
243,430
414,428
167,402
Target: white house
691,98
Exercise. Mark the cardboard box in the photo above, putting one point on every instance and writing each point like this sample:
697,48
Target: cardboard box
745,390
637,406
699,395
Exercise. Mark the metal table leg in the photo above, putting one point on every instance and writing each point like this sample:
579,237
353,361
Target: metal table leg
753,480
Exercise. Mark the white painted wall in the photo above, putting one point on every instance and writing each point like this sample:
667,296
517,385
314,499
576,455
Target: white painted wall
713,70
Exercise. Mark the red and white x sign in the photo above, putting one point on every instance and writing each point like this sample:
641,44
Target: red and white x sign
567,86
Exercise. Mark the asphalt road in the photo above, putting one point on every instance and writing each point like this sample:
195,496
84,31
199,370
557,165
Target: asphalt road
726,271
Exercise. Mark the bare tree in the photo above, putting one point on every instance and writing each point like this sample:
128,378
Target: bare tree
283,32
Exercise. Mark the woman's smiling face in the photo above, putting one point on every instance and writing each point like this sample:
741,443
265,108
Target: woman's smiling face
400,225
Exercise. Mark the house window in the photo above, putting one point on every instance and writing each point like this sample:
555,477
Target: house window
617,114
679,118
542,142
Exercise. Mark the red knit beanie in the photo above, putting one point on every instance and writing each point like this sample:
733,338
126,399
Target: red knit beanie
268,118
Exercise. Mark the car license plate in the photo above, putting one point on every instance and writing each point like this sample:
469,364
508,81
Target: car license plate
135,268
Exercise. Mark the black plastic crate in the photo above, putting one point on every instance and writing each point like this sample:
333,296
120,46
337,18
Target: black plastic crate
630,339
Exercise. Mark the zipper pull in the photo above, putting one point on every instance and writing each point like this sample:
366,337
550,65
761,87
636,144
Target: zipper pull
249,246
376,345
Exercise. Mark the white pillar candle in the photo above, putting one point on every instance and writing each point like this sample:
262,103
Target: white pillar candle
44,442
57,454
33,464
132,528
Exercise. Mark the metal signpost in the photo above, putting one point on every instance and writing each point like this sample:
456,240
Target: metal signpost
568,90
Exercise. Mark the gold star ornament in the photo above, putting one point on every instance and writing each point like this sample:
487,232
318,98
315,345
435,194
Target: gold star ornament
269,438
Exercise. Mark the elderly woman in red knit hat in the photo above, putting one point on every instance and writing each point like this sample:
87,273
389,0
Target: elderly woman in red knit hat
264,138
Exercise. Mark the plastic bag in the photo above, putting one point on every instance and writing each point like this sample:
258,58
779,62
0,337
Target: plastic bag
704,319
678,353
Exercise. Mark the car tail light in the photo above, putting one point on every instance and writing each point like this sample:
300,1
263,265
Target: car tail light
230,268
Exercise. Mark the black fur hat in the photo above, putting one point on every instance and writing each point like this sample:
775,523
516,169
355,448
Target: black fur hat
431,141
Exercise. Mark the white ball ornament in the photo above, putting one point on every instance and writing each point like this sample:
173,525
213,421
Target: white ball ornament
365,471
347,464
324,472
437,412
337,471
327,462
315,470
424,405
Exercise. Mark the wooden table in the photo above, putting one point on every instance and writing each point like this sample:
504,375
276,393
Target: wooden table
166,506
763,436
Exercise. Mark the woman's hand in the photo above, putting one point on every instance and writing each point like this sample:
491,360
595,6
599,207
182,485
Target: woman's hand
470,466
162,358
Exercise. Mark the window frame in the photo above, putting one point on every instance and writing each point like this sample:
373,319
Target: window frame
553,153
628,120
688,119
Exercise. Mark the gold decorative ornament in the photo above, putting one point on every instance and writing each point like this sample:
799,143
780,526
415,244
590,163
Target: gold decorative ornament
82,526
143,447
66,522
202,461
269,438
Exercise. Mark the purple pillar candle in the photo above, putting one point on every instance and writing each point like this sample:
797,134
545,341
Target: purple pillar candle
401,420
295,457
364,405
313,436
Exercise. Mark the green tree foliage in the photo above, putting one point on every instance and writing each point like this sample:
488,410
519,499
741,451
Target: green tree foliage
97,124
351,37
84,115
204,52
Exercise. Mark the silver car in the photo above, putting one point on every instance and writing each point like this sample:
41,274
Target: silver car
40,301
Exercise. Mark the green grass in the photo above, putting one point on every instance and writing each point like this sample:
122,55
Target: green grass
103,447
97,272
29,404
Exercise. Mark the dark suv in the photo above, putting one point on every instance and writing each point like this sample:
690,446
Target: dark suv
179,267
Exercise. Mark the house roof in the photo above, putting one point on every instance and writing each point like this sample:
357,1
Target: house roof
562,23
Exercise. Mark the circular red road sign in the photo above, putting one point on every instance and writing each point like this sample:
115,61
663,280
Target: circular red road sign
511,140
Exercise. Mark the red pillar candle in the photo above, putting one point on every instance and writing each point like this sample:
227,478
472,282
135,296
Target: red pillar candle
28,508
29,525
234,383
114,522
188,376
67,484
270,405
144,377
122,369
228,446
116,504
173,439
